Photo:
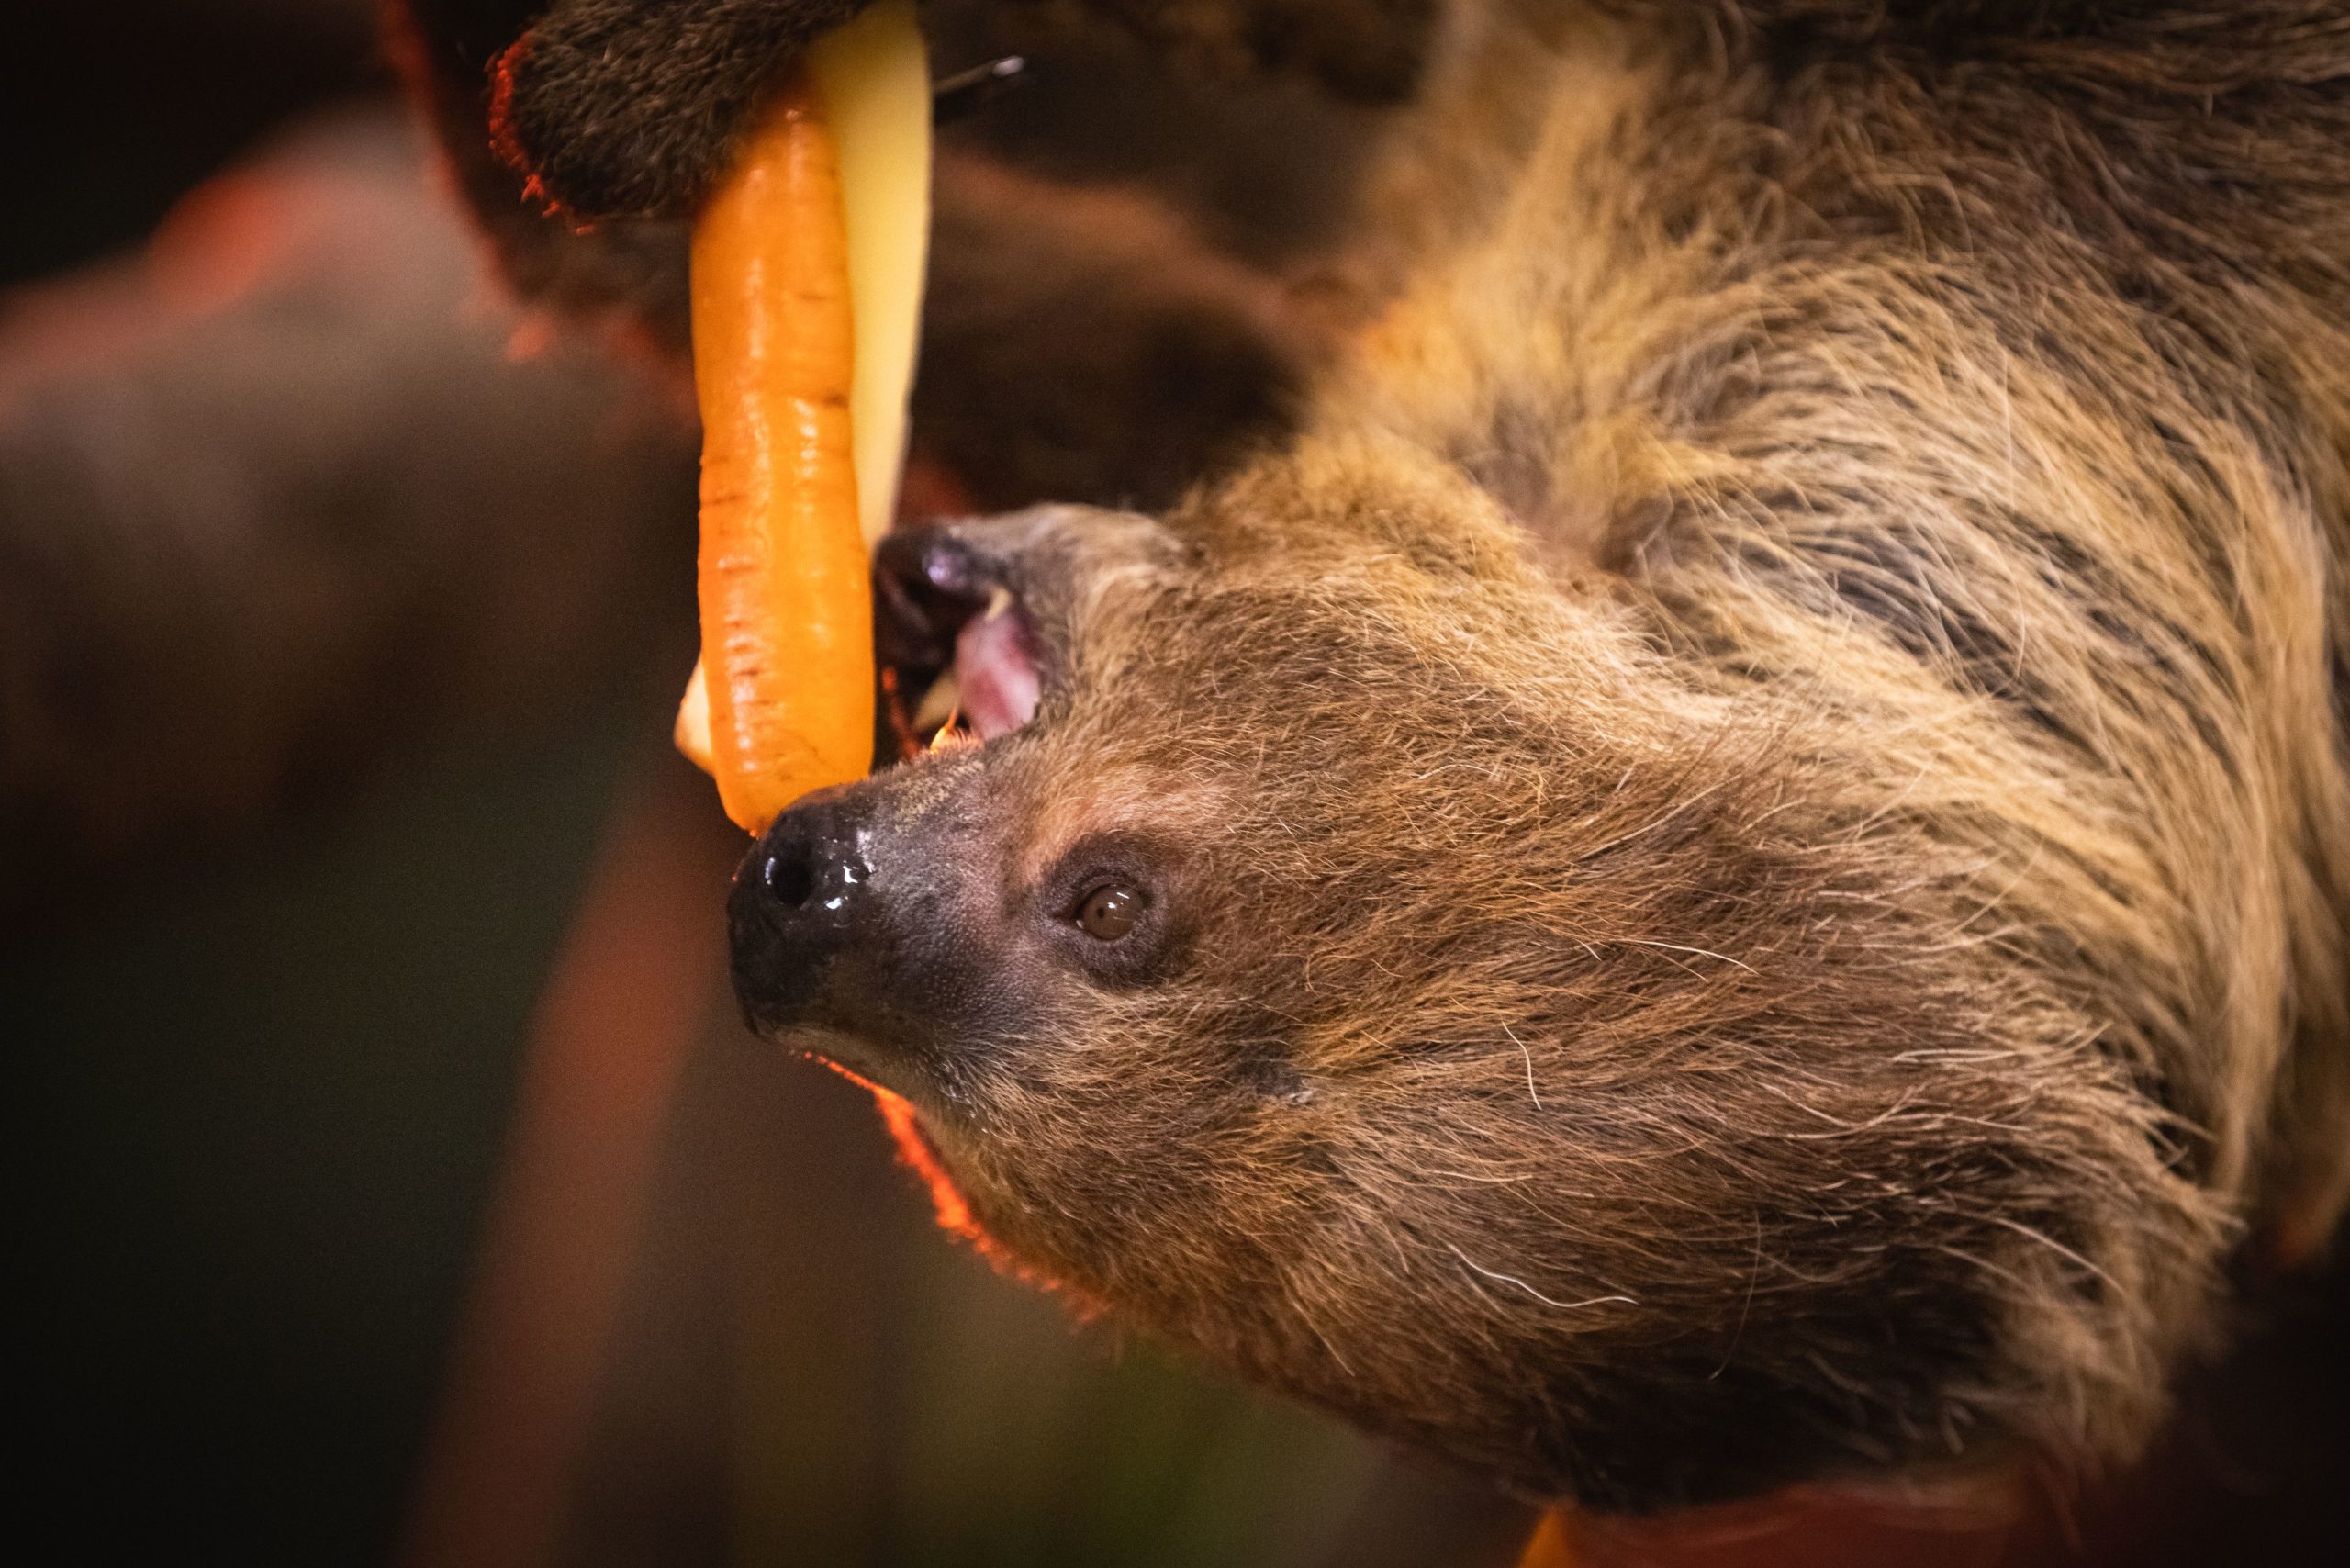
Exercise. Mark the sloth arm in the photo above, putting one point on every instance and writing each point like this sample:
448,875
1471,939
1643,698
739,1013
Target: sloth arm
1081,343
630,107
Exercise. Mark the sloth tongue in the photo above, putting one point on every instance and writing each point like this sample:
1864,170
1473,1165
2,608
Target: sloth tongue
995,674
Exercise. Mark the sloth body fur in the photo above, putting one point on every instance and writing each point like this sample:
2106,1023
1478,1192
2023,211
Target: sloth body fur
1933,450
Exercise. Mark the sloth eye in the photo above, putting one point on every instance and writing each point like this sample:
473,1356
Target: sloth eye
1109,912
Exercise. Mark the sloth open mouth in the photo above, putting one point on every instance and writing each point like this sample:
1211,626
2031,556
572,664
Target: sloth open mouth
957,652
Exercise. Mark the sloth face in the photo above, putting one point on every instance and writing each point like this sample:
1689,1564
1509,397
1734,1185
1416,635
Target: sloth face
1340,960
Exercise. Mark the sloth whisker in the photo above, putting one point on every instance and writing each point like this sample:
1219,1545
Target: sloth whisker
1513,1040
1529,1290
1678,947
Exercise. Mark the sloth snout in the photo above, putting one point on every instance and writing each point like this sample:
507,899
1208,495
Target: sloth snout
801,899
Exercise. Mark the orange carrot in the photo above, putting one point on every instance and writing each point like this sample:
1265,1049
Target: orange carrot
785,616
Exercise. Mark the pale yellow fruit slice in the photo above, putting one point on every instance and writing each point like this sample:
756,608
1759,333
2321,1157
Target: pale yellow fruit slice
692,731
873,75
874,78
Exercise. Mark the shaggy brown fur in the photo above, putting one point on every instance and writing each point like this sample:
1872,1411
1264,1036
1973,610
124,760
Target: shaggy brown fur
1747,835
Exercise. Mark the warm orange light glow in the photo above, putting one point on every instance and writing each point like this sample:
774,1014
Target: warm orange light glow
947,1204
505,140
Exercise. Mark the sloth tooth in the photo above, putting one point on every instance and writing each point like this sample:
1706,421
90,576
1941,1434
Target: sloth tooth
939,703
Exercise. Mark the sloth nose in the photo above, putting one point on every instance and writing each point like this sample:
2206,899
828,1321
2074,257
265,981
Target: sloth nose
801,900
807,862
866,928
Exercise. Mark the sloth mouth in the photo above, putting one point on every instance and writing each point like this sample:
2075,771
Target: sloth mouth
995,669
959,653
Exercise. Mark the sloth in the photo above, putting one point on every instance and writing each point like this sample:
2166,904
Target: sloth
1707,850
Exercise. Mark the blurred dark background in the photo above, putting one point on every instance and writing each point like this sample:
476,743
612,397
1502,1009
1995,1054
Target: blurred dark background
388,1164
118,109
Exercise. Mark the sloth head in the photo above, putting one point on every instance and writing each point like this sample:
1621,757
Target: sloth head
1334,955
